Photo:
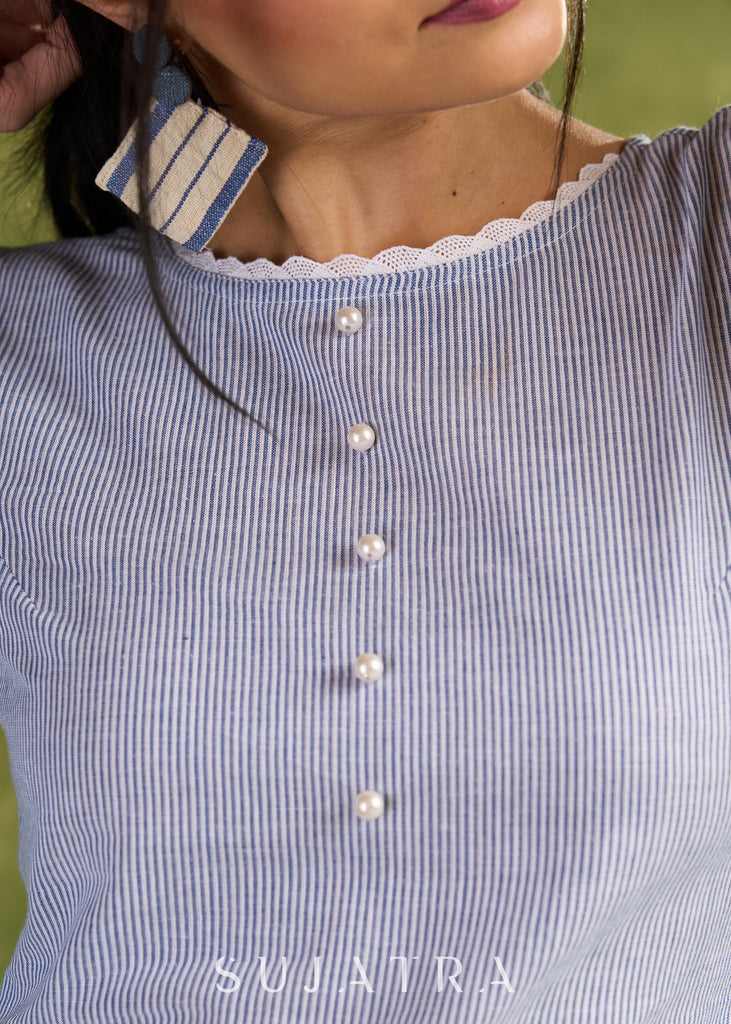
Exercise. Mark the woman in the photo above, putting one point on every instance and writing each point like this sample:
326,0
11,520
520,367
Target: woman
372,659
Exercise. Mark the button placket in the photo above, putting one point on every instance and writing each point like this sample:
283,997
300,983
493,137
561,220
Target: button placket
369,667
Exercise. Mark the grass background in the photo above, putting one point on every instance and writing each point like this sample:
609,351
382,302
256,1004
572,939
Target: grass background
649,65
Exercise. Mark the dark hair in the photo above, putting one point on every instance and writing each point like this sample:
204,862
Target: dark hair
88,121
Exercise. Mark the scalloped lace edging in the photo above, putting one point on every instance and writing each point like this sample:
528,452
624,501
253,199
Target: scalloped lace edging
400,257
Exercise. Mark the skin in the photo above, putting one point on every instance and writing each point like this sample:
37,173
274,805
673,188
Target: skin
382,130
36,62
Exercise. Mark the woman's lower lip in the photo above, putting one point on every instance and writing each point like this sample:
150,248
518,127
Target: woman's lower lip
472,10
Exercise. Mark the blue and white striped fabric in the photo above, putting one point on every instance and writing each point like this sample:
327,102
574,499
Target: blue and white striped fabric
182,605
200,164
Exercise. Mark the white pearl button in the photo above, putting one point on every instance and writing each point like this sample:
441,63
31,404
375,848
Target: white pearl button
371,547
369,804
349,320
361,437
369,667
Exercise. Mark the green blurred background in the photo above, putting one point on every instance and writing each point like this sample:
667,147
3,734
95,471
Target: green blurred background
649,65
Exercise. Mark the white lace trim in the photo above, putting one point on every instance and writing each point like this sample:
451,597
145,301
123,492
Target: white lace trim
400,257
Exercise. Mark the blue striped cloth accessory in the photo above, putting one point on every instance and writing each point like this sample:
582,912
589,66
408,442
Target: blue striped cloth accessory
199,165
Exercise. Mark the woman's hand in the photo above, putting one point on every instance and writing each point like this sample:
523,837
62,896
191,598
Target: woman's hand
37,63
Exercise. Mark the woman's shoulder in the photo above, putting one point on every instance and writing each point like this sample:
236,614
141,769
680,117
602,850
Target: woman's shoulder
680,183
673,189
685,164
680,151
53,289
66,295
684,149
692,149
68,262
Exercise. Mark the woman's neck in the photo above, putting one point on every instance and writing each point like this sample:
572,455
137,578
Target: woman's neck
409,181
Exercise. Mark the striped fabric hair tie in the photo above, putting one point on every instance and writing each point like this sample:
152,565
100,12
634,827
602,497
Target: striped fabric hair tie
199,164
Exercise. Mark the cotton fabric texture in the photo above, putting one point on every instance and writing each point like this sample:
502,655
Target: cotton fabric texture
200,163
182,604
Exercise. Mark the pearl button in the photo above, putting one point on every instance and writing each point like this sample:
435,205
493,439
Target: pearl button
369,667
371,547
349,320
361,437
369,804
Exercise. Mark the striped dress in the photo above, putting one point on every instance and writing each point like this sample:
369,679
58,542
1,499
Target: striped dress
414,708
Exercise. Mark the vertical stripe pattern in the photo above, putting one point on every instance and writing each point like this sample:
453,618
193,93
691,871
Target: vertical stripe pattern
182,605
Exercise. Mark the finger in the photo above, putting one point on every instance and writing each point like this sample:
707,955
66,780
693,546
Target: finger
27,85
